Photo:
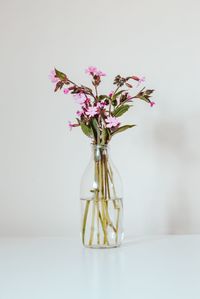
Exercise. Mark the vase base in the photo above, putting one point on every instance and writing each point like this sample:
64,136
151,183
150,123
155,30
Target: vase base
102,246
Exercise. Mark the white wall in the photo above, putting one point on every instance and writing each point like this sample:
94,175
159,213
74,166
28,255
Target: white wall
41,162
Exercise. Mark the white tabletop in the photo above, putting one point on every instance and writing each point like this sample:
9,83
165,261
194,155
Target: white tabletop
156,267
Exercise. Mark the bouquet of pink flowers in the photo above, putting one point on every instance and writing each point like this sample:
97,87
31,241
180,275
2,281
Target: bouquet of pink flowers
99,118
99,114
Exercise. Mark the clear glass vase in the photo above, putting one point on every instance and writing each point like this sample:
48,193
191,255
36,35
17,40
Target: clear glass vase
101,202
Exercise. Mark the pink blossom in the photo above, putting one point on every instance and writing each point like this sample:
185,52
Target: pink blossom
70,125
91,70
139,79
100,73
111,94
152,103
104,104
80,98
136,78
66,90
98,105
87,101
112,122
52,77
79,113
101,105
92,111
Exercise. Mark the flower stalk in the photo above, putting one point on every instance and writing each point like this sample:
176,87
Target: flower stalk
101,218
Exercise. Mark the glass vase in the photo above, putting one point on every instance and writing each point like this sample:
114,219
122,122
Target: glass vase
101,202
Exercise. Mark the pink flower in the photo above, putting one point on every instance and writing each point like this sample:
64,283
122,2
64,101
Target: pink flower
52,77
70,125
79,113
98,105
66,90
91,70
92,111
101,105
80,98
111,94
112,122
104,104
87,101
100,73
139,79
152,103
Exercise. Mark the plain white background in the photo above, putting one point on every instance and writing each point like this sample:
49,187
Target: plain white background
41,162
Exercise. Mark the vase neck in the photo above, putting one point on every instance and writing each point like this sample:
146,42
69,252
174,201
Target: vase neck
99,152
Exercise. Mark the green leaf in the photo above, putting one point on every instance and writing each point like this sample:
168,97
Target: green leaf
149,91
117,94
105,136
122,129
121,110
95,124
60,75
86,130
103,96
95,128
